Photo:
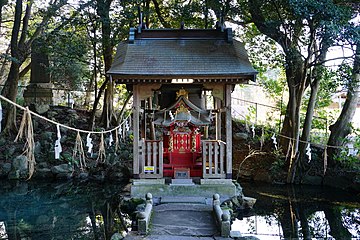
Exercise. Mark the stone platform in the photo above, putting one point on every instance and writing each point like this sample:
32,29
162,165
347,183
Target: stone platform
205,188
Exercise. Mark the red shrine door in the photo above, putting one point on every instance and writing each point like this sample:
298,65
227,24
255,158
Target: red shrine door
182,152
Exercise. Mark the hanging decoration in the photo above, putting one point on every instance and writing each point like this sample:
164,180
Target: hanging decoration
274,141
26,130
58,148
308,152
116,140
79,151
351,150
120,131
101,155
171,116
111,139
1,115
253,130
325,160
262,139
127,126
89,144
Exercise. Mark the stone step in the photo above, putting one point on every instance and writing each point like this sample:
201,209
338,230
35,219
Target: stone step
182,207
171,199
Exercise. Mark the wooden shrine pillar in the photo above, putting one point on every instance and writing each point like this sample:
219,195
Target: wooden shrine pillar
217,102
136,112
228,130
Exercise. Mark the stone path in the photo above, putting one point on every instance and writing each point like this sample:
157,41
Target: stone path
181,219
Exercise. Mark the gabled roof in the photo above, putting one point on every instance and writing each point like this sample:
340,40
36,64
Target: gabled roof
202,55
183,110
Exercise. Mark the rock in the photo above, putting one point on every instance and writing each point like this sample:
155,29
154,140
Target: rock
2,141
64,176
62,169
83,175
47,136
117,175
241,136
42,165
42,108
43,173
117,236
5,168
37,148
262,175
14,175
313,180
249,202
20,163
21,188
9,151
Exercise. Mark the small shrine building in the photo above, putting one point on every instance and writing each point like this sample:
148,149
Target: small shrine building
181,81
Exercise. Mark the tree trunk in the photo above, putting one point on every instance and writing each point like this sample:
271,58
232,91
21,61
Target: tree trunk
10,88
291,127
305,137
96,103
341,128
337,229
103,10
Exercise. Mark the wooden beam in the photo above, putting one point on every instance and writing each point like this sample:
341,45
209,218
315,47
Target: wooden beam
228,131
136,112
218,118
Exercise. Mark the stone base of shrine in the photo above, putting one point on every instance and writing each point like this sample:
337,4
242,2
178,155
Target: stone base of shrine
204,188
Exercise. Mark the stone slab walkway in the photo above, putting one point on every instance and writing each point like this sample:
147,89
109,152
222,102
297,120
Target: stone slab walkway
185,219
181,219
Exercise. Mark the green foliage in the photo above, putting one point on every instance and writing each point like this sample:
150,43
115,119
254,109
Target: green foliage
344,158
68,52
344,76
278,166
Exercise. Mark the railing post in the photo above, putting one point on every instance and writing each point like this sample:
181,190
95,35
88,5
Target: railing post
161,160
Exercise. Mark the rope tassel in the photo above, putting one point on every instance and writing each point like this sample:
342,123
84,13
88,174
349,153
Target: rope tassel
58,148
79,151
101,154
325,160
26,130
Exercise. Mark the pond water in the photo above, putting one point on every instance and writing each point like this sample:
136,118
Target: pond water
93,210
299,212
62,210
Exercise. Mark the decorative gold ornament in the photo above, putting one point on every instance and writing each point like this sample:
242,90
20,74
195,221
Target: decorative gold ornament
182,92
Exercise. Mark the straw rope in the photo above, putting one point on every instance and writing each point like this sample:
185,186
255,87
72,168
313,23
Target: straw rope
125,120
102,154
62,125
79,151
26,130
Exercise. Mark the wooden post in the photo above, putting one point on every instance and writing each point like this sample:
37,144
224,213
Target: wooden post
136,110
218,118
228,130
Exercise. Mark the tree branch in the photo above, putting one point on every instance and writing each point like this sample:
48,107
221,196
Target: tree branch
25,70
159,14
25,25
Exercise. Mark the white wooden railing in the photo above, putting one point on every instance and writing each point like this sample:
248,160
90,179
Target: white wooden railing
150,159
213,155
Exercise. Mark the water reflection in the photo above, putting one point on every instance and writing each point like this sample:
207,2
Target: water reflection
34,210
295,212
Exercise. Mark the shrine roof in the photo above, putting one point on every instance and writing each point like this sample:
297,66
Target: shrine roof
163,55
183,110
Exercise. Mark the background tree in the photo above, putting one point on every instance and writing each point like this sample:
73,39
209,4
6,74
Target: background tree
20,46
304,30
342,127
